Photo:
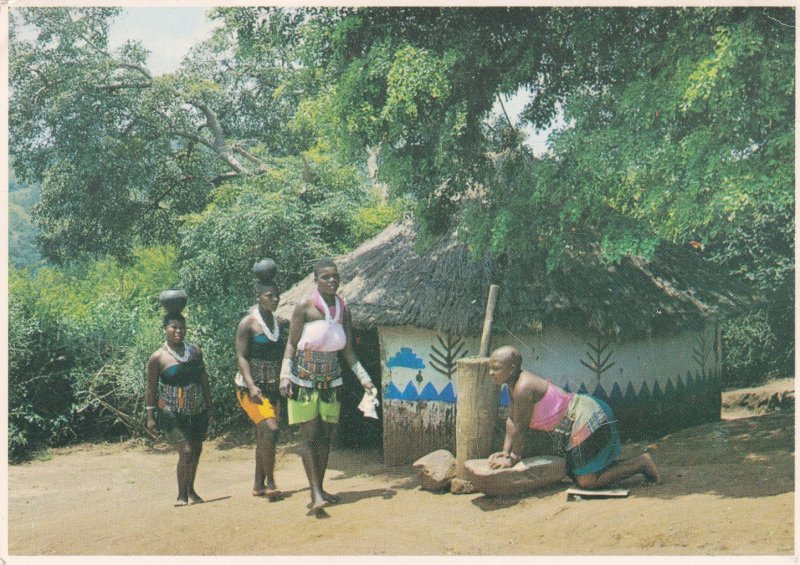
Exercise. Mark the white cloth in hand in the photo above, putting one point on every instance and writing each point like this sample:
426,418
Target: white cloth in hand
368,404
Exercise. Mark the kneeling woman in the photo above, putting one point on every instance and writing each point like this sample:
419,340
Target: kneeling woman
259,351
177,376
588,433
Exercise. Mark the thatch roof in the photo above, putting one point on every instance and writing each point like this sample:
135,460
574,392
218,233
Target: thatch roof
387,282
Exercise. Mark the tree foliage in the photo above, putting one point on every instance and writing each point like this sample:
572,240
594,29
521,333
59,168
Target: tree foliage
23,250
679,122
301,210
121,154
678,127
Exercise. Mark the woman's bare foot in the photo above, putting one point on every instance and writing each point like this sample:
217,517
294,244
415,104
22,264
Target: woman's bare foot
649,468
330,498
195,498
317,505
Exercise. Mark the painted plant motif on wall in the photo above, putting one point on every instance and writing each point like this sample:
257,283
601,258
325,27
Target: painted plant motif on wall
701,352
444,360
599,364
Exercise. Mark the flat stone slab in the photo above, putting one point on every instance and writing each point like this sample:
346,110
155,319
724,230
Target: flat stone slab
529,474
437,469
580,494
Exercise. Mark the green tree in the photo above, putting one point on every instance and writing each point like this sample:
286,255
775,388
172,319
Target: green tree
121,154
299,211
679,128
679,121
22,232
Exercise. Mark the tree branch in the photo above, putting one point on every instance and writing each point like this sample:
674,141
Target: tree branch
111,87
220,145
135,67
249,156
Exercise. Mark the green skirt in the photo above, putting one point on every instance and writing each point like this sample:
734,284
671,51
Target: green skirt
309,403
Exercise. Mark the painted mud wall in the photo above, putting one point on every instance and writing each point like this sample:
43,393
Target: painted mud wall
654,386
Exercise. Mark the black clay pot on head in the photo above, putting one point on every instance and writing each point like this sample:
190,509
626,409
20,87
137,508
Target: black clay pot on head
265,270
173,300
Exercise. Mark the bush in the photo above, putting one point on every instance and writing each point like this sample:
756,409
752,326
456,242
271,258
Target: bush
40,398
78,342
750,351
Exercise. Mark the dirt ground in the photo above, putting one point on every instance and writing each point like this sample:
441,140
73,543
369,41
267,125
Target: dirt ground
728,490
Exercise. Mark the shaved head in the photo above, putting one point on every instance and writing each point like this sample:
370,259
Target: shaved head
507,355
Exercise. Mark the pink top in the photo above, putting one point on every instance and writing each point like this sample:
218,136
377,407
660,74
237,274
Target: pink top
322,336
327,334
547,413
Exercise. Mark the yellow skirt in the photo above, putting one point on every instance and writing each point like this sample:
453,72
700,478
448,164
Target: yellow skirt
257,412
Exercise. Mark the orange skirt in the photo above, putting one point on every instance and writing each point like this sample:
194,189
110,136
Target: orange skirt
257,412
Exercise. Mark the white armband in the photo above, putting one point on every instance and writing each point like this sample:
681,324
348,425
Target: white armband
362,374
286,368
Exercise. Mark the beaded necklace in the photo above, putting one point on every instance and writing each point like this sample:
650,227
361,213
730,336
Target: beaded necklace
187,352
273,334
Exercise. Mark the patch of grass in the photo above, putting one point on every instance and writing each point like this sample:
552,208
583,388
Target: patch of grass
44,455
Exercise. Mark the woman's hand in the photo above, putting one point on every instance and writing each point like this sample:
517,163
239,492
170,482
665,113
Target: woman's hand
502,460
151,424
285,387
256,396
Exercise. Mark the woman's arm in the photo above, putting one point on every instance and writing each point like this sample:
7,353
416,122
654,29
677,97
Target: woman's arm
205,382
150,394
295,331
520,410
507,443
521,417
243,332
349,357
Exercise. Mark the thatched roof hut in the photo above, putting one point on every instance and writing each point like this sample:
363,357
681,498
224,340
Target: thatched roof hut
417,310
388,281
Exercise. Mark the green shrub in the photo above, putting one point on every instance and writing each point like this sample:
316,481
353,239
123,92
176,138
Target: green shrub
78,342
750,352
39,394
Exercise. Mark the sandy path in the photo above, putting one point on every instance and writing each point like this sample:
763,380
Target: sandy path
729,489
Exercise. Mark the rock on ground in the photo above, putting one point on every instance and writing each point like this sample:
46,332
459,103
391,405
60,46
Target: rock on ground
529,474
461,486
437,469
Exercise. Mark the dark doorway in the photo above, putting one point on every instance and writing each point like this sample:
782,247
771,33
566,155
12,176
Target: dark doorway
354,429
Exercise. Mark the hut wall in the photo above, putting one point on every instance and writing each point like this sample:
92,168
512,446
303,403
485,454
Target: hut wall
654,386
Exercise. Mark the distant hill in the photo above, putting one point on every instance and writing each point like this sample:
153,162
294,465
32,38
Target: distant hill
22,248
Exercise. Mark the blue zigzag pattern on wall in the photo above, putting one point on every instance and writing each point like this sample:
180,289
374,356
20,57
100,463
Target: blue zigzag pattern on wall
391,392
410,392
429,392
448,394
672,389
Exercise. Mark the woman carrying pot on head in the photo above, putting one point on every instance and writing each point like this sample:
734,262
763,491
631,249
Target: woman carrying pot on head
178,396
259,351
